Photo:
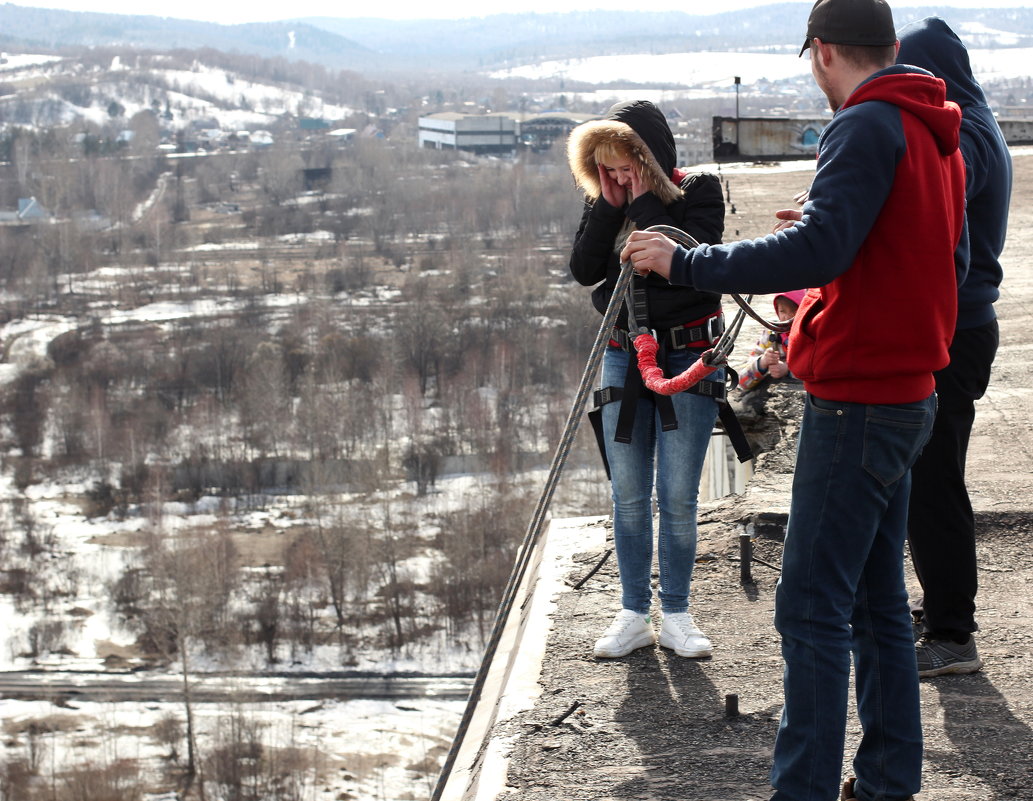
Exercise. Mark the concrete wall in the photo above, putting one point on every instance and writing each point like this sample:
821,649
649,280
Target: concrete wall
761,138
1017,132
779,139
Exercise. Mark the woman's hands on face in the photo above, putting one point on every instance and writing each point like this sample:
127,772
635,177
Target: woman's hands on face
613,192
638,186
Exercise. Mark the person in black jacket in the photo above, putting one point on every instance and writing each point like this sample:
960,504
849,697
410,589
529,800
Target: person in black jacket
941,525
625,164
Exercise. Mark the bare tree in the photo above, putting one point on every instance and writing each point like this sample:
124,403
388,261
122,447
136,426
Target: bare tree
181,600
281,173
477,547
341,545
264,406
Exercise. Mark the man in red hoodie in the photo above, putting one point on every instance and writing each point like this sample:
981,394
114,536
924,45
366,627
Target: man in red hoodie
885,219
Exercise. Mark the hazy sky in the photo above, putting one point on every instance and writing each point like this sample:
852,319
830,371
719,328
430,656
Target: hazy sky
234,11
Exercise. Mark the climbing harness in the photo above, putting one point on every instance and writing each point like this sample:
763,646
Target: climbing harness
719,356
640,340
646,344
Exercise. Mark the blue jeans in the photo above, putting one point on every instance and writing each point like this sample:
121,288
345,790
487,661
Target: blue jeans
841,591
676,458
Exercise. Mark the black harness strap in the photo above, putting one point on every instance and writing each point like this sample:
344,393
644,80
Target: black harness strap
633,388
629,394
595,417
675,338
678,337
707,388
730,423
664,404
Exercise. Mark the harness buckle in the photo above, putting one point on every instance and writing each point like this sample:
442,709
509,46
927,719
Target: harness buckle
606,395
715,326
702,334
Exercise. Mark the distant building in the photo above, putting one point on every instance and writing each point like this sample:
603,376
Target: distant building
540,131
691,150
766,138
29,211
92,220
505,133
212,137
477,133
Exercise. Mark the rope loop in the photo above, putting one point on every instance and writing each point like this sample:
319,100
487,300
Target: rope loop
653,377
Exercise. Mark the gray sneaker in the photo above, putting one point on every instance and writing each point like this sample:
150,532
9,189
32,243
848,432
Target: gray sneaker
940,657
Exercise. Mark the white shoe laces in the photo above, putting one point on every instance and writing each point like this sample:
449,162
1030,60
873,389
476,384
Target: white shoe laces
620,623
685,624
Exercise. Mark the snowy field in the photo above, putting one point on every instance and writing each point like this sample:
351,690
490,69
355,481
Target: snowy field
711,73
369,750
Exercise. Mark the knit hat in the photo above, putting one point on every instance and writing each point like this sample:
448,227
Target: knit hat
851,22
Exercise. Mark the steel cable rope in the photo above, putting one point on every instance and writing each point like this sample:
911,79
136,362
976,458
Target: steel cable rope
534,528
722,348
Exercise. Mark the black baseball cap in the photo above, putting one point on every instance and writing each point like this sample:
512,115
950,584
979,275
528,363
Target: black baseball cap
851,22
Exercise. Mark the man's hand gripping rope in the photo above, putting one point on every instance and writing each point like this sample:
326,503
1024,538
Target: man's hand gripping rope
710,360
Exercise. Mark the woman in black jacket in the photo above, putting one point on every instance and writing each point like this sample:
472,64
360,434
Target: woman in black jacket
625,164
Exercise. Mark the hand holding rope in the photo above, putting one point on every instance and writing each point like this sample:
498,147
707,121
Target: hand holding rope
710,360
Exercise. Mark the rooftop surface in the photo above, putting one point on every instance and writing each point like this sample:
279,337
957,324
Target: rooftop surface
654,726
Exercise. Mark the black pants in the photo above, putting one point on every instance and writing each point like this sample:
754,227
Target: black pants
941,526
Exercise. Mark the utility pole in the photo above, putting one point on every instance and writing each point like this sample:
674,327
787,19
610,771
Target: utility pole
738,82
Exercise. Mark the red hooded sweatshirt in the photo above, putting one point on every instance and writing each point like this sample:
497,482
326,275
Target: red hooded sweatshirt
885,215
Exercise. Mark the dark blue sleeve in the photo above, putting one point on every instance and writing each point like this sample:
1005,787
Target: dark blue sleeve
859,152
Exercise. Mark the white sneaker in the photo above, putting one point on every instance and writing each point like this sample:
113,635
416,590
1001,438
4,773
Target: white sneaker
628,631
679,633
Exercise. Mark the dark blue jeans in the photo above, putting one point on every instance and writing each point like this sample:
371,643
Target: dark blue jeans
842,591
675,458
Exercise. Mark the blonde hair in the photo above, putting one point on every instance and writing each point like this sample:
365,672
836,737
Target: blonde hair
610,151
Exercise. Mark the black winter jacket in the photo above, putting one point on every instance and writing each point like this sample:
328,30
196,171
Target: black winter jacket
932,45
697,208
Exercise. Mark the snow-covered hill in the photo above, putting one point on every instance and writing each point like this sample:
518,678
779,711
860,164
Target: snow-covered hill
45,90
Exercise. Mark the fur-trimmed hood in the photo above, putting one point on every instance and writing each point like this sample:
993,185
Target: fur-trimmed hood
639,128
